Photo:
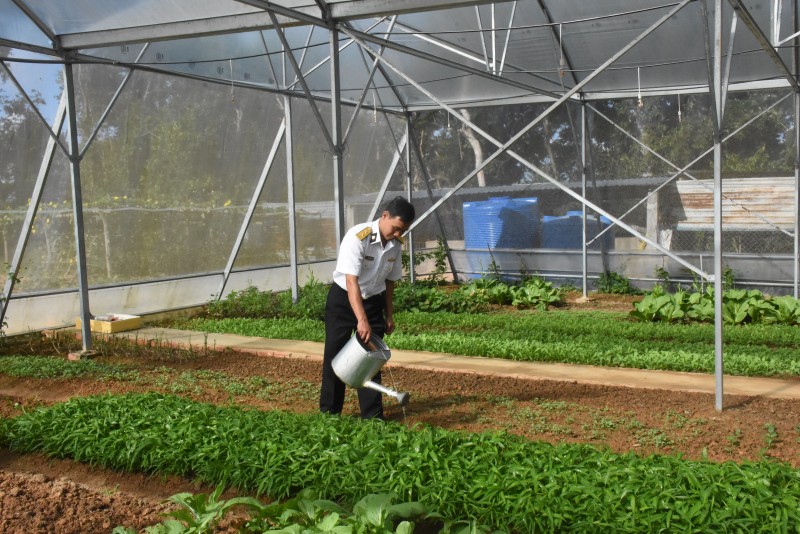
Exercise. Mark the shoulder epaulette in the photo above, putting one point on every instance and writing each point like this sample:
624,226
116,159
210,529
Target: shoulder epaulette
364,233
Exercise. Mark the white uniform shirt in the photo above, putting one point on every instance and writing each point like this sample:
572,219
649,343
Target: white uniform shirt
361,254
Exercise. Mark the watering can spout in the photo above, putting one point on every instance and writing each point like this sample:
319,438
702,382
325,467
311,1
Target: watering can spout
402,398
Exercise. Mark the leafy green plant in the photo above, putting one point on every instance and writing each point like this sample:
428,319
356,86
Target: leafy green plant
786,311
254,303
419,258
739,306
771,435
281,328
493,270
413,297
200,513
735,439
489,289
311,300
50,367
728,278
735,311
306,513
616,283
590,338
11,277
654,437
496,480
460,302
439,257
535,292
700,306
250,302
532,292
425,298
660,306
439,261
663,277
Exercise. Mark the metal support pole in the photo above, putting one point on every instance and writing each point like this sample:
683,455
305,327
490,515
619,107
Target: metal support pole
303,55
744,14
370,78
111,104
584,259
796,193
388,178
336,138
287,109
34,107
341,48
718,289
494,42
412,141
796,66
299,74
483,38
262,180
775,25
409,185
77,209
441,59
508,38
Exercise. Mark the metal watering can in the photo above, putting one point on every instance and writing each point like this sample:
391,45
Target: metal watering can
358,362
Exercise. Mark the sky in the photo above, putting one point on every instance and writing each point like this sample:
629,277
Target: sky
35,77
15,26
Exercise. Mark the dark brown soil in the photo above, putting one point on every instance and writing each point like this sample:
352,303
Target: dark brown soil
45,495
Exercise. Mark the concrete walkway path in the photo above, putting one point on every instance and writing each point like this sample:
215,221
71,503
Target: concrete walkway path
587,374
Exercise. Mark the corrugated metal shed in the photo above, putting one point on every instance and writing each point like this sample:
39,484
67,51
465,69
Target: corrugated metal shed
750,204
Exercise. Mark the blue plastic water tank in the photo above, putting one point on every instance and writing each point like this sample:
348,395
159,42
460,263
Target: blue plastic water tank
501,222
567,232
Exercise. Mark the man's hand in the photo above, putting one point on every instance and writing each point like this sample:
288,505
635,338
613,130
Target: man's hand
389,325
364,330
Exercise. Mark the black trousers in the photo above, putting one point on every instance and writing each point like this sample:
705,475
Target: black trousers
340,323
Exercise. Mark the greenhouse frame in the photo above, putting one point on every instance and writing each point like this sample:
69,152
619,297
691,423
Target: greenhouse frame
158,155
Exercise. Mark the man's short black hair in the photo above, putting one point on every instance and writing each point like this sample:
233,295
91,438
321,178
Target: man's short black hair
400,207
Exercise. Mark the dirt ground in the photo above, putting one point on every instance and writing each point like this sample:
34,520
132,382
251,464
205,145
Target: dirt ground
39,494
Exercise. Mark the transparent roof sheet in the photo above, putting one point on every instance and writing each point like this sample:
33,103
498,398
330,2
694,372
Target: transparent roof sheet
91,15
16,27
431,52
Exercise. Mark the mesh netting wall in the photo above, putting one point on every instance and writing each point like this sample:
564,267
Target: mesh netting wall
171,173
169,178
649,163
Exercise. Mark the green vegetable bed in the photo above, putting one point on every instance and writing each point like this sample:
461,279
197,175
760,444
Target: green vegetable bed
497,479
590,338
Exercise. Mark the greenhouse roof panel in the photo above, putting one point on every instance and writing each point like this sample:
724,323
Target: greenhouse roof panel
16,27
431,52
80,16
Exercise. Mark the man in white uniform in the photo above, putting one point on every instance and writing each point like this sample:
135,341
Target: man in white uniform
360,298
